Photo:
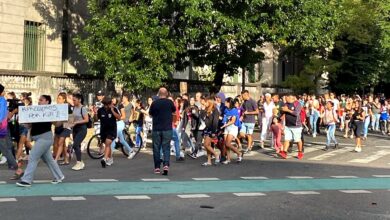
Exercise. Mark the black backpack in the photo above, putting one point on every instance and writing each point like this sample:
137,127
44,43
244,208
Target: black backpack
90,122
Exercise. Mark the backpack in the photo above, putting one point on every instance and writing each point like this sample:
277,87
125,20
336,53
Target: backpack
90,122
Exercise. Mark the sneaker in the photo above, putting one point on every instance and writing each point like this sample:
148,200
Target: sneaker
200,154
3,160
131,155
180,159
192,155
157,171
351,136
239,159
226,162
358,149
110,161
283,155
326,148
314,135
300,155
58,181
23,184
345,136
165,171
262,145
103,162
336,146
79,166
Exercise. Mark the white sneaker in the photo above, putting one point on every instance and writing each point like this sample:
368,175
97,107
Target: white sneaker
3,160
351,136
79,166
358,149
314,135
262,145
131,155
54,182
110,161
200,153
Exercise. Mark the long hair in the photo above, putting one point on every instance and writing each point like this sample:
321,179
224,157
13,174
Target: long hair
211,106
64,96
231,102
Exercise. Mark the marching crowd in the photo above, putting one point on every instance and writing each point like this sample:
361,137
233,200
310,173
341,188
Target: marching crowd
212,125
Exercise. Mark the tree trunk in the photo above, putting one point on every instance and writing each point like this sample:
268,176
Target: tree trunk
243,79
218,78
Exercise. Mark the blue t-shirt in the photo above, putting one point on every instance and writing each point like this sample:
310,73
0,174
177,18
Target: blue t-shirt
229,114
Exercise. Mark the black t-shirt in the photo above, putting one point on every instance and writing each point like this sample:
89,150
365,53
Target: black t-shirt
107,120
140,120
40,128
161,111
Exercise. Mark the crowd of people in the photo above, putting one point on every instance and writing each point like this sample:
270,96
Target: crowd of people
220,127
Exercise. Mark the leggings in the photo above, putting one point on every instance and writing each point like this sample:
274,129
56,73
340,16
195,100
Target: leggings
79,133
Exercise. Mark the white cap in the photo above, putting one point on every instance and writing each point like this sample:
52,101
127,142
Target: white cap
267,95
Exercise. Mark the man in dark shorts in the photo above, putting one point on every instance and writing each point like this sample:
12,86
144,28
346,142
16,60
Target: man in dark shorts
108,115
162,111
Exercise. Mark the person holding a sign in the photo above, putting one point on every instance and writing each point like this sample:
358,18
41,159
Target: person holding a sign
42,135
79,120
108,115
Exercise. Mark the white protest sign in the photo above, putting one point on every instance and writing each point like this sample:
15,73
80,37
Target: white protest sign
43,113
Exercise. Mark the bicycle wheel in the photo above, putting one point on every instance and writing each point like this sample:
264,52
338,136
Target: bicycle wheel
130,141
95,148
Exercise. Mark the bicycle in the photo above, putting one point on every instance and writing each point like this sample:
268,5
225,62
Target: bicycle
95,147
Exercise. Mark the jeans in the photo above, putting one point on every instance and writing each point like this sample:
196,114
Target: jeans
366,125
138,137
383,125
79,133
176,140
375,122
313,122
41,150
6,149
120,126
161,140
330,134
198,140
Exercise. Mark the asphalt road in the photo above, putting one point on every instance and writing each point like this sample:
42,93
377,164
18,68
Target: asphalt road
336,184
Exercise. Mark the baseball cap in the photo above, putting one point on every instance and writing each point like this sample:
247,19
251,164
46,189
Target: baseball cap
99,93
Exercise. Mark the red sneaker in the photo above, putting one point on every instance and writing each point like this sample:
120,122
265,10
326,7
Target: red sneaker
300,155
283,155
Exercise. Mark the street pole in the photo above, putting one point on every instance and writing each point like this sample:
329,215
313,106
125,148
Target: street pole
243,80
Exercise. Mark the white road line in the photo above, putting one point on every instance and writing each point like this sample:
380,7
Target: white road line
343,177
249,194
331,154
387,147
254,177
299,177
155,180
377,155
42,181
3,182
8,200
324,143
304,193
68,198
193,196
140,197
103,180
205,179
381,176
354,191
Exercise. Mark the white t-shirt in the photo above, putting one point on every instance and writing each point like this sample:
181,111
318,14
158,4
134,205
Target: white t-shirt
268,109
336,103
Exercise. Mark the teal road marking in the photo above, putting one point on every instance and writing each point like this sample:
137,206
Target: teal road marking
190,187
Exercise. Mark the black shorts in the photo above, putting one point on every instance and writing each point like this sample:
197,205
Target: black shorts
62,132
107,135
358,128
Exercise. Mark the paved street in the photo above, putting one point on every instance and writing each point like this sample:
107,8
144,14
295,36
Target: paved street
336,184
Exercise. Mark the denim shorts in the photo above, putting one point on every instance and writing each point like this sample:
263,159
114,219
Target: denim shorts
247,128
23,130
292,134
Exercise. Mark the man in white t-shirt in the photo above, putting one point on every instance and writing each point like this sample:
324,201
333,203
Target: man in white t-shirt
267,118
335,101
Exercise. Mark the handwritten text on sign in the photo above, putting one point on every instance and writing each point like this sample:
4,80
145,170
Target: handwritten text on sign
43,113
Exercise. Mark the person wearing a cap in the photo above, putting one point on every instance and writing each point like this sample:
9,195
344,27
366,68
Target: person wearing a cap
5,147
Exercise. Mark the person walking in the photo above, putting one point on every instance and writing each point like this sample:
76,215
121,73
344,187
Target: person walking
248,118
330,120
42,134
162,111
